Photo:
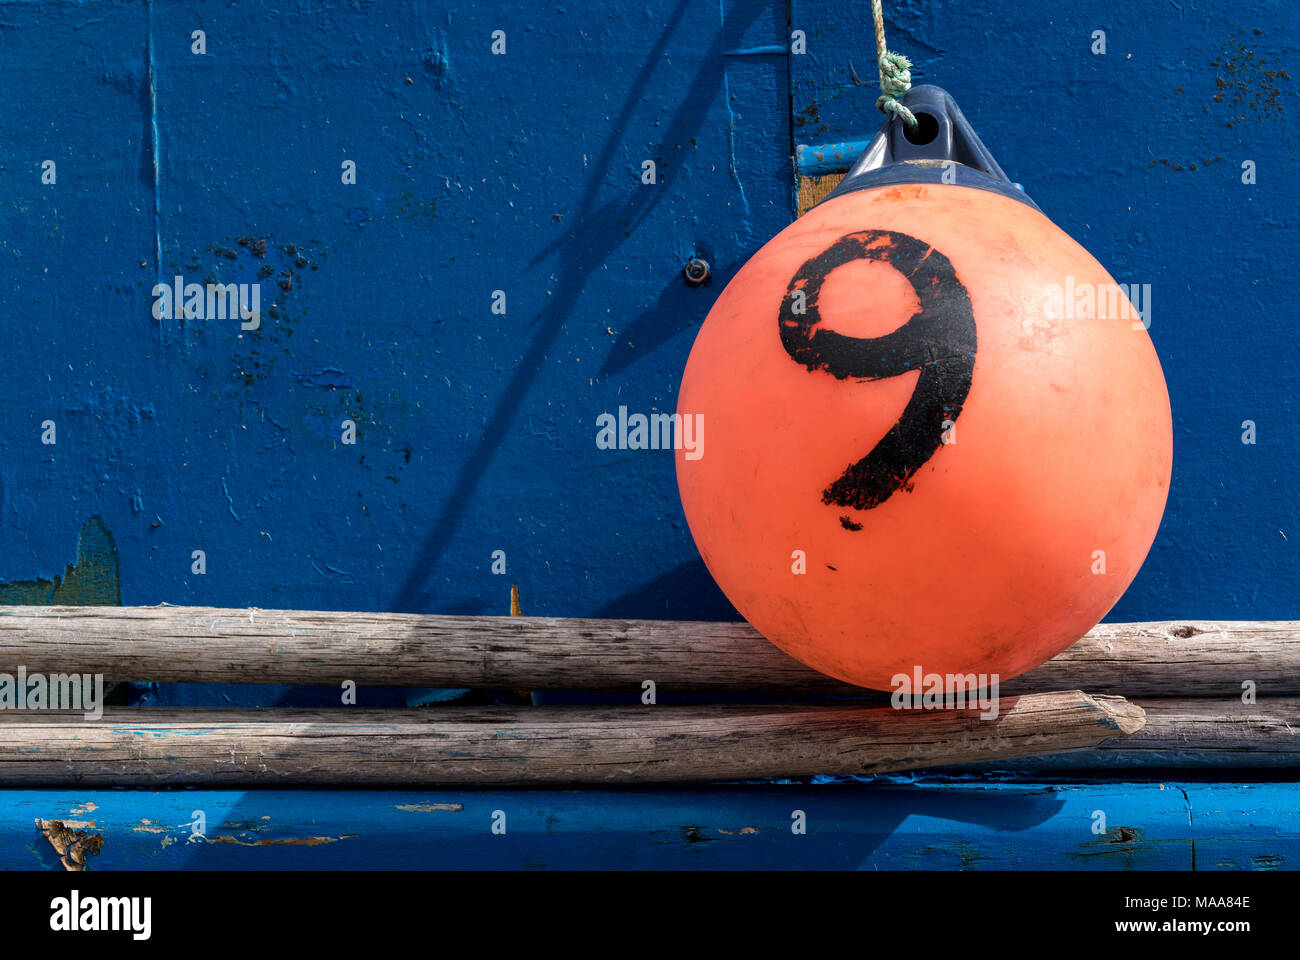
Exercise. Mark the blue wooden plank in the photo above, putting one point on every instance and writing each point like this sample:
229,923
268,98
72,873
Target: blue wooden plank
884,825
822,159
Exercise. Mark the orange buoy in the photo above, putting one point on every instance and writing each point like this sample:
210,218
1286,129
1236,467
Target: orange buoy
938,435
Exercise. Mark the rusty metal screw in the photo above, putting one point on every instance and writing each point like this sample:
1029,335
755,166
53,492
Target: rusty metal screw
696,272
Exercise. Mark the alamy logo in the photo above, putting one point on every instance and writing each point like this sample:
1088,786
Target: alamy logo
1104,301
74,912
58,691
658,431
946,691
213,301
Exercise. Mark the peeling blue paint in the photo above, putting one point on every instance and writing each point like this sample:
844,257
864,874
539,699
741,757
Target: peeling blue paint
881,825
330,379
93,579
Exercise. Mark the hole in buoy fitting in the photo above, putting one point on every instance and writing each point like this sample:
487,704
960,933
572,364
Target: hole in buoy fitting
927,128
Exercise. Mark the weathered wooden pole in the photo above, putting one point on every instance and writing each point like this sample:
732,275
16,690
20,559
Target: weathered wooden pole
457,746
210,645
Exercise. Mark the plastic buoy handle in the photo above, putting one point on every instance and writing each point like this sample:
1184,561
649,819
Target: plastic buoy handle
952,152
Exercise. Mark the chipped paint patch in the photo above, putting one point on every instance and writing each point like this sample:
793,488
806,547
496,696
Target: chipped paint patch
1246,82
93,580
1165,162
283,842
693,834
1125,841
73,847
431,807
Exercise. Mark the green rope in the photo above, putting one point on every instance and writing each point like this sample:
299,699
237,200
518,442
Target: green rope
895,73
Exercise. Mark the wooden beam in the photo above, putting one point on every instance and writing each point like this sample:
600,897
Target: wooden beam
455,746
205,644
1193,733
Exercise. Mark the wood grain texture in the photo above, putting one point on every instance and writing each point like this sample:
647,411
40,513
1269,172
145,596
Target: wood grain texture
177,644
813,190
522,746
1184,734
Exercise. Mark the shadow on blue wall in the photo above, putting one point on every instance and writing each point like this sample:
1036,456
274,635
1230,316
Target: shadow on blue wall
686,593
599,229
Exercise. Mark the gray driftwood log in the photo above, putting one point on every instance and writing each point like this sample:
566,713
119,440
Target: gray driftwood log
457,746
1193,733
203,644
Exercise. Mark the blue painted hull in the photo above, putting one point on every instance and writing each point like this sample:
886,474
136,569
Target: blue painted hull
885,825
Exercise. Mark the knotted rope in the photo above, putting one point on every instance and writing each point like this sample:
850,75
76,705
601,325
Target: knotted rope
895,73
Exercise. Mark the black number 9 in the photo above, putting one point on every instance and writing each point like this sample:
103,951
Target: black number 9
939,340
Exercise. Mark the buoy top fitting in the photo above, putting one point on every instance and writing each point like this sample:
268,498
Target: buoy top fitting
943,148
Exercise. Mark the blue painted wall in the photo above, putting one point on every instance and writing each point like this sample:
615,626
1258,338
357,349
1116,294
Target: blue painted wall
521,172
